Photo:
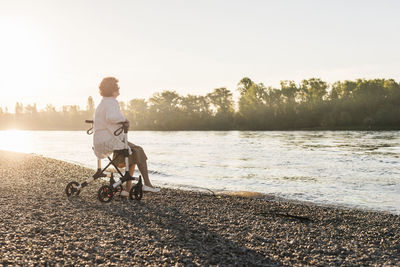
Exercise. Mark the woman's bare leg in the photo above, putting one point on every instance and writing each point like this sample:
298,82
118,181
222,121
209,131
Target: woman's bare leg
145,173
129,183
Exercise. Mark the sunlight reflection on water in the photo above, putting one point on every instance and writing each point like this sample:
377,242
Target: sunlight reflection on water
355,169
18,141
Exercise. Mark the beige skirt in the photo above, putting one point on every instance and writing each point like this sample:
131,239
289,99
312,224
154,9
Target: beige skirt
138,156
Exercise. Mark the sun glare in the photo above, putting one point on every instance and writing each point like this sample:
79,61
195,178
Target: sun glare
17,141
24,60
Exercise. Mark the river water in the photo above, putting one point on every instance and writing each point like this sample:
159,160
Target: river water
347,168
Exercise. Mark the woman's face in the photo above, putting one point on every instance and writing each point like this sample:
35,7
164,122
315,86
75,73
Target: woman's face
116,92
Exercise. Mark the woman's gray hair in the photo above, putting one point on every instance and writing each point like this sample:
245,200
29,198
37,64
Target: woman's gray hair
108,86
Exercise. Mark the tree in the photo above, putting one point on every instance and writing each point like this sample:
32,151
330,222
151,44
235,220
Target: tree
50,109
74,109
196,113
289,91
165,101
244,85
221,99
138,112
19,107
342,90
253,99
90,105
195,104
164,110
313,90
393,91
122,106
31,109
253,107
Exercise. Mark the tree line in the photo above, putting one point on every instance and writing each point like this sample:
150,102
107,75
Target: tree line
311,104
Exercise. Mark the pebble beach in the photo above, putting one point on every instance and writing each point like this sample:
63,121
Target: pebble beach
40,226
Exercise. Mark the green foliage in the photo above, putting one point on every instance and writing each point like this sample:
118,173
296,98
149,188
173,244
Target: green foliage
164,110
313,90
311,104
137,112
244,85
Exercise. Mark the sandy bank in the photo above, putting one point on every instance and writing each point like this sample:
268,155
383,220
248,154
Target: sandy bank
40,225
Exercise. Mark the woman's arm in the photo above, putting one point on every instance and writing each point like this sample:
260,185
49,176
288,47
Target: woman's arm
114,114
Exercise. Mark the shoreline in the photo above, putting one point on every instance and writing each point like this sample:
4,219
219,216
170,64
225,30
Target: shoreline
176,227
254,194
268,196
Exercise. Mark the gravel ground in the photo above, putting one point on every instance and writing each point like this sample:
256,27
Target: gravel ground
40,225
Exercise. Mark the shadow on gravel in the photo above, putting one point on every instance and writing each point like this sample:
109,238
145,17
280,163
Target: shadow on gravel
188,240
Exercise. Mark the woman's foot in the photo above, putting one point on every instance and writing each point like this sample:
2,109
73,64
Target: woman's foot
124,193
152,189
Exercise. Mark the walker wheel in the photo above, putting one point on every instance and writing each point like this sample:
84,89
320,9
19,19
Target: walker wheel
105,193
118,189
71,189
136,192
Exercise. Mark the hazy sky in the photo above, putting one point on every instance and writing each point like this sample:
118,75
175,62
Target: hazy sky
58,51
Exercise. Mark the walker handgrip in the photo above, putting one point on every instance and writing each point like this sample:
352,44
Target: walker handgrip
125,126
90,131
118,131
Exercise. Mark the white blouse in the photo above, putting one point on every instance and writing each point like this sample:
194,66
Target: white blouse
106,117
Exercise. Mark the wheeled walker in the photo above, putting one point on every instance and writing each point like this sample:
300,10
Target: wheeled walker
107,192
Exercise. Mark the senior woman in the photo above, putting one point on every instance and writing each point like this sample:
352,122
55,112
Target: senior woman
107,116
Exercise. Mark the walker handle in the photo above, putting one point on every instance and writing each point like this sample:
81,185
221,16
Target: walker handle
90,131
123,128
118,131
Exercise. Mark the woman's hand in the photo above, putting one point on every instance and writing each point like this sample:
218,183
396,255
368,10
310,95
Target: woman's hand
127,124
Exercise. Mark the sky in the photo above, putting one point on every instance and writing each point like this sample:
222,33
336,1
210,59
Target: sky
56,52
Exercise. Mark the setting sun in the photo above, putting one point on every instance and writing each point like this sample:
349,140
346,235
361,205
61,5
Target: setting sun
25,60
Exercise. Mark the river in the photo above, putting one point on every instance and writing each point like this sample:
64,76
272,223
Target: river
347,168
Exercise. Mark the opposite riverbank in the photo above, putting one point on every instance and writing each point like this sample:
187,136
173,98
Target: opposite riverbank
41,226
